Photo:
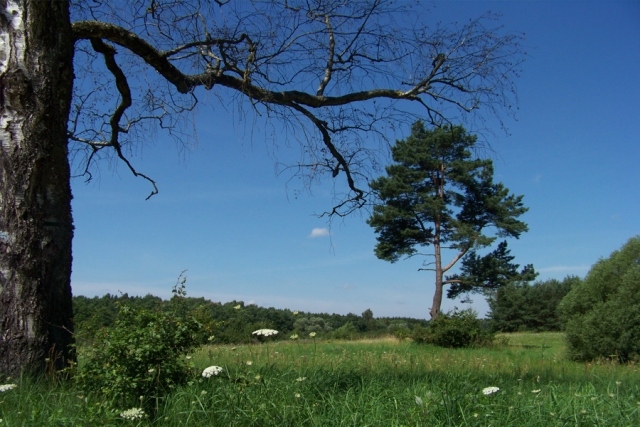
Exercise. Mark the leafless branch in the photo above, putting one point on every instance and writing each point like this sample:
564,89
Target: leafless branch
333,72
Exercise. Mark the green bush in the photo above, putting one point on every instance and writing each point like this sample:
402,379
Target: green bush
520,307
402,333
142,356
454,330
345,332
306,325
602,313
420,334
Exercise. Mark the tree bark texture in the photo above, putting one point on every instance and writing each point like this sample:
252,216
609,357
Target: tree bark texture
437,296
36,228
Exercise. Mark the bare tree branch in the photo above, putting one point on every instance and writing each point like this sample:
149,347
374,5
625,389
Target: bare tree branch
335,71
109,54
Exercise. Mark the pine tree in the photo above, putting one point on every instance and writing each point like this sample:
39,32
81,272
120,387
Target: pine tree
437,194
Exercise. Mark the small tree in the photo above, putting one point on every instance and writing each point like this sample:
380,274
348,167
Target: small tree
437,195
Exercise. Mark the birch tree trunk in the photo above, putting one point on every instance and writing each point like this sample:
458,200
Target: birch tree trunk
36,229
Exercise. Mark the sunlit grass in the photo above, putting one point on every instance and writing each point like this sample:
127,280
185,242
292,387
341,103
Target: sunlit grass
383,382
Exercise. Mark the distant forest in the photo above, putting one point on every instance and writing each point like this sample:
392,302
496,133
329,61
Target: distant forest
233,322
516,307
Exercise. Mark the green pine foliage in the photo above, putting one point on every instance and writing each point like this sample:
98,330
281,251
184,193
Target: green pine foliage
488,273
520,307
602,313
438,194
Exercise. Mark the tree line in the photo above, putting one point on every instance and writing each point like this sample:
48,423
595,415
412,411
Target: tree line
516,307
234,321
600,314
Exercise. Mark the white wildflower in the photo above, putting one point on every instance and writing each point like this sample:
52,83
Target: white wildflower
300,379
294,337
295,313
249,363
132,414
211,338
490,390
265,332
312,334
238,307
7,387
211,371
535,391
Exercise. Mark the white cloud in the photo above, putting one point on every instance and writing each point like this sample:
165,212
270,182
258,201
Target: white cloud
319,232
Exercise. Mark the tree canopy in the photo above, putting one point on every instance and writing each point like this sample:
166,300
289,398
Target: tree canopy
519,306
437,194
602,312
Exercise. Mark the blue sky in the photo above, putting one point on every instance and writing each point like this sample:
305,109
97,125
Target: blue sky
243,233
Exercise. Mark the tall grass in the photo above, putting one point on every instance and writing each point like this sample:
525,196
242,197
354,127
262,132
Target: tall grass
366,383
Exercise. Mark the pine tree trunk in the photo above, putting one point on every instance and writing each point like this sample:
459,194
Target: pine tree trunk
437,297
36,78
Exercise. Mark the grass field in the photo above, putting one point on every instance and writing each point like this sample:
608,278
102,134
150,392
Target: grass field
382,382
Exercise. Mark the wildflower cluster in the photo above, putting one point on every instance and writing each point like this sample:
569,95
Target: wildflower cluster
132,414
7,387
211,371
490,390
265,332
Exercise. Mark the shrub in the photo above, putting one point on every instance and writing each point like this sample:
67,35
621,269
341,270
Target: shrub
305,325
519,307
453,330
345,332
602,313
402,333
420,334
142,355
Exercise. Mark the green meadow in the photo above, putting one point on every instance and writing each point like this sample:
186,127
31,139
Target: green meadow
381,382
